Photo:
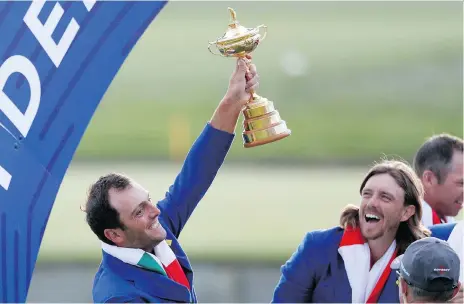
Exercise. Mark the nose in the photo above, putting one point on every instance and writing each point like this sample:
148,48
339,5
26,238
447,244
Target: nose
154,211
373,202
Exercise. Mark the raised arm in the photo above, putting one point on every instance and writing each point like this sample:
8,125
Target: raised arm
208,152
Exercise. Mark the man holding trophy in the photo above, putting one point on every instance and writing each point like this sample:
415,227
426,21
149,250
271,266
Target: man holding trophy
142,260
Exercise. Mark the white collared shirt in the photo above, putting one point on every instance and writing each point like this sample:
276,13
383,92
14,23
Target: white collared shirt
427,215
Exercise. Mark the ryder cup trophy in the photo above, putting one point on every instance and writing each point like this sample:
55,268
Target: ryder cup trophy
262,123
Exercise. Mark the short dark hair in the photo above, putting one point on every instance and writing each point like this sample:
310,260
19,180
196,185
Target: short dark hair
431,296
100,214
435,155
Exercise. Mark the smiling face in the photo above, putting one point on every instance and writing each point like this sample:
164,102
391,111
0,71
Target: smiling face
446,195
382,207
139,217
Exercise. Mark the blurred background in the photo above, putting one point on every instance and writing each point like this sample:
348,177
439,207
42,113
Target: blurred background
355,81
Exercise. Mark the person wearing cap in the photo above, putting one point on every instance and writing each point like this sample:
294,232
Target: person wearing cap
428,272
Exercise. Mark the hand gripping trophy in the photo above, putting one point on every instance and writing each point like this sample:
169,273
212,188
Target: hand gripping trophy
262,123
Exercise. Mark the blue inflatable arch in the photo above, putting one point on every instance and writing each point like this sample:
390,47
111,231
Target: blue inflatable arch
57,59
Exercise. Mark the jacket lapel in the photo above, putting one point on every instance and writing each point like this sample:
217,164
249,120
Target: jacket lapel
183,260
342,289
333,285
180,254
390,290
155,284
175,247
162,287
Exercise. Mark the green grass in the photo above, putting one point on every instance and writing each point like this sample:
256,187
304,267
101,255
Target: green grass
249,213
380,78
254,212
318,132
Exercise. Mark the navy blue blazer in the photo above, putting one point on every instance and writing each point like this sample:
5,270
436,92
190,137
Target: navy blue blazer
316,272
118,282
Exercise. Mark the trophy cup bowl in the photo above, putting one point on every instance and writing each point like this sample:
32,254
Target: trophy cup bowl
262,123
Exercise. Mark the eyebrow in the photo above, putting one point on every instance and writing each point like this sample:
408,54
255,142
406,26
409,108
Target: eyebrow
388,194
382,192
141,204
136,209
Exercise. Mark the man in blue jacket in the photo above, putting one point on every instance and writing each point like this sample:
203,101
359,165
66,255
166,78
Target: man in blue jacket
351,263
142,258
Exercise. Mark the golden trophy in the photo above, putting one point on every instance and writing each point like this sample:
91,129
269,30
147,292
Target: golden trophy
262,123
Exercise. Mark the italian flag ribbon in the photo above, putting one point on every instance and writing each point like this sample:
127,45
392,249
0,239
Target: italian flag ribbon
164,260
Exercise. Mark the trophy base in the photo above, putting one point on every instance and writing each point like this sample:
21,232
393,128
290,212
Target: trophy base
262,124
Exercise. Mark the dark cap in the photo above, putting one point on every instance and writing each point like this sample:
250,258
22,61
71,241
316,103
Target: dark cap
430,264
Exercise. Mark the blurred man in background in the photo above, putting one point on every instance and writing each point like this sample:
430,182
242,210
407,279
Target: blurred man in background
142,259
428,272
351,263
439,165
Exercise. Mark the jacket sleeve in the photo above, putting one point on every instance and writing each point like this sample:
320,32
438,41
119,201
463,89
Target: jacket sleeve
298,275
196,176
442,231
126,299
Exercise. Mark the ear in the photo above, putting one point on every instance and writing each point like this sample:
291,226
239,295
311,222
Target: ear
457,290
404,287
408,211
429,178
114,235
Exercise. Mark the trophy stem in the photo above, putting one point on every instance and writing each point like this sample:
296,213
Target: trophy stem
252,92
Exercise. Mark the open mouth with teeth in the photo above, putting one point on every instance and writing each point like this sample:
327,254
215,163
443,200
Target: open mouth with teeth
371,218
155,225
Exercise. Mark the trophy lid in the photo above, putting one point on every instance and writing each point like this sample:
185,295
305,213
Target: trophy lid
236,31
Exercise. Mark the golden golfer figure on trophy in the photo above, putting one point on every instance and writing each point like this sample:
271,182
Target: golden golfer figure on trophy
262,123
